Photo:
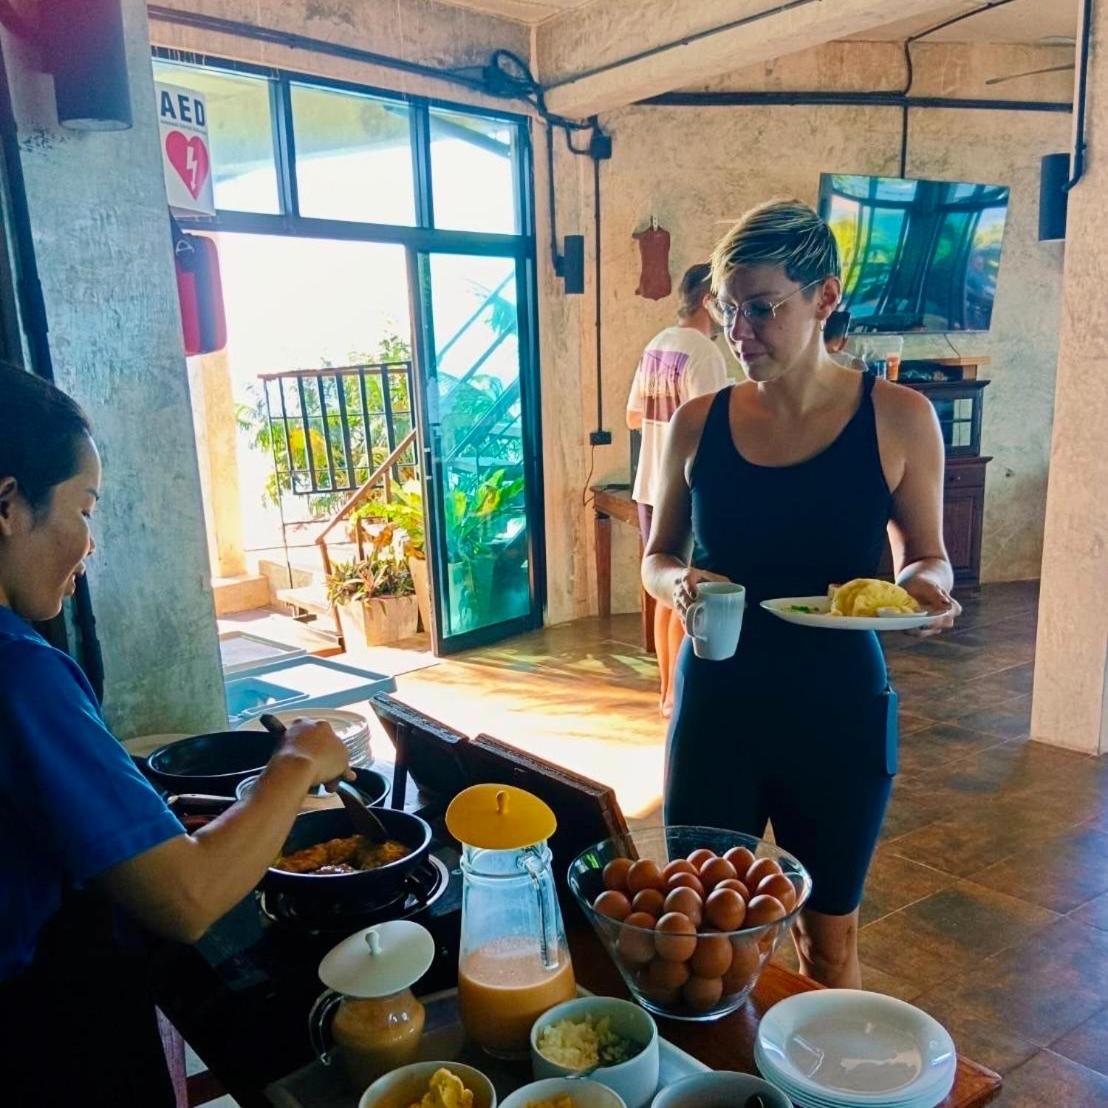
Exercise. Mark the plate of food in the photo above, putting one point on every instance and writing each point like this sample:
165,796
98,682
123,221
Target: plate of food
864,604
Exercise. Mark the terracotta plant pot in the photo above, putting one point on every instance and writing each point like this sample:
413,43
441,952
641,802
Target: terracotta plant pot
383,619
418,568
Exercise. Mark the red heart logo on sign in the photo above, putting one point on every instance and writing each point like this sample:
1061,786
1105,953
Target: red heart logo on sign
190,158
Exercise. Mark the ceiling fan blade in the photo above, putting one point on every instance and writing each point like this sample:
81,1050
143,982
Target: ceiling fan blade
1029,73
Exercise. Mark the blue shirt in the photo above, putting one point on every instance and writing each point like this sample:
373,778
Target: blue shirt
72,803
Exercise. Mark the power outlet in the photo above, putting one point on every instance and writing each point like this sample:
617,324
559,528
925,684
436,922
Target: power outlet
600,438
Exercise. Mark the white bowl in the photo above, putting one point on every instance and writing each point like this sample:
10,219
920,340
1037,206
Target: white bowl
407,1085
710,1090
584,1094
636,1080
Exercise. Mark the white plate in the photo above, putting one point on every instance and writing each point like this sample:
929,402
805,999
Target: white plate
804,1099
351,728
845,1046
784,607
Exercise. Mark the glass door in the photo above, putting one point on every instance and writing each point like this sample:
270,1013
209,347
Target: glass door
480,438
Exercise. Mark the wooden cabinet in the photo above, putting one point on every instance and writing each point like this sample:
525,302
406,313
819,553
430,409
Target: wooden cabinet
963,516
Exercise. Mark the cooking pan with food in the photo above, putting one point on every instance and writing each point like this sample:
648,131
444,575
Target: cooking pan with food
214,763
330,831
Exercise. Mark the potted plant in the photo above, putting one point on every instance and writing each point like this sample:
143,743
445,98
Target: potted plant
405,511
375,596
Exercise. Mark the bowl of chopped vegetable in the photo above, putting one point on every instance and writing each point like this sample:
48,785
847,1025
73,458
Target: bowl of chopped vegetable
563,1092
612,1041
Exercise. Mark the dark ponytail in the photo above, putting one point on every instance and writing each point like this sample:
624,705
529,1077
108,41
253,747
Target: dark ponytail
41,434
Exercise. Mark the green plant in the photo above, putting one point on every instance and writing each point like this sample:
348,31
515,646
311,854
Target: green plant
405,511
382,572
475,520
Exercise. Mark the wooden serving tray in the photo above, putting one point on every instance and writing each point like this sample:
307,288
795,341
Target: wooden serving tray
320,1086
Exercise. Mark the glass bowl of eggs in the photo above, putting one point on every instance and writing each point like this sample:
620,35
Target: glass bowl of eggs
690,915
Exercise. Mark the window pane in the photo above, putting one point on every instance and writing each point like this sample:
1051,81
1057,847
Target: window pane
240,132
473,173
353,156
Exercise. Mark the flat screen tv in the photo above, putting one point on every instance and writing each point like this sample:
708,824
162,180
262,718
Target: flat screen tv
918,256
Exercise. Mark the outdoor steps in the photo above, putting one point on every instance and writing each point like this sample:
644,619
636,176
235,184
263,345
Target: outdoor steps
240,593
308,598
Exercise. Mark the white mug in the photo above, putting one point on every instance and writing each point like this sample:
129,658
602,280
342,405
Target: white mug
715,619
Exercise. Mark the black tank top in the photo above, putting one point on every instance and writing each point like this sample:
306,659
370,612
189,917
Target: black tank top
793,530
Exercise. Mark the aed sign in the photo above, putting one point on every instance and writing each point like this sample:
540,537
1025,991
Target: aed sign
186,156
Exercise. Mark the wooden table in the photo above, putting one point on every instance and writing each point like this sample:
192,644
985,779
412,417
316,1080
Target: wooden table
728,1044
614,502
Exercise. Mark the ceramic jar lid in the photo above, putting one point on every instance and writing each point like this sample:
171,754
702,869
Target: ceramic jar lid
379,960
499,817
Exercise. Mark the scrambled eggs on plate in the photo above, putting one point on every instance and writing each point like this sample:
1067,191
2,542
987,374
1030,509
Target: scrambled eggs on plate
866,596
445,1090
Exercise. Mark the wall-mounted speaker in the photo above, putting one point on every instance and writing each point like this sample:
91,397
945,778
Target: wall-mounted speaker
87,56
573,264
1053,196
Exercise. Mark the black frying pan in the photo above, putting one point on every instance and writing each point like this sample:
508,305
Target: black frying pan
365,888
213,763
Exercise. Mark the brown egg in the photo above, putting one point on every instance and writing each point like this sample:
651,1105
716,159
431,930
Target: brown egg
675,938
764,909
687,902
701,993
649,901
737,885
725,909
613,904
662,974
712,956
685,881
699,857
678,865
741,858
644,874
636,946
763,867
745,961
615,874
716,870
665,998
779,886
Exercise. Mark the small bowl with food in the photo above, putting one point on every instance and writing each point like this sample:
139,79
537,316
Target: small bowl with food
710,1090
614,1041
690,915
563,1092
430,1084
325,860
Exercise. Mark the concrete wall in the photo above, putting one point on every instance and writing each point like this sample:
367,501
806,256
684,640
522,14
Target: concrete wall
101,235
1071,661
696,169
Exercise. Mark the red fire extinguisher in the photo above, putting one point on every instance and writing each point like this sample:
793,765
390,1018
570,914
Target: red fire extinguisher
200,291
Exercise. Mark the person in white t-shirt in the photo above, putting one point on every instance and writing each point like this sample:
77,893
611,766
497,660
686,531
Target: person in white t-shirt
678,364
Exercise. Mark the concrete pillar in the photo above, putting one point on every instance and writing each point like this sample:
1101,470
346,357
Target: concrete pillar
1070,669
213,411
101,235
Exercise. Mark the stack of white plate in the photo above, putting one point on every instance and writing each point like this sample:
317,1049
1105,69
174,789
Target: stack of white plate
352,728
843,1048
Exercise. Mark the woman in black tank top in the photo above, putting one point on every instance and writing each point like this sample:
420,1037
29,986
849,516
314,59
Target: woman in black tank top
785,484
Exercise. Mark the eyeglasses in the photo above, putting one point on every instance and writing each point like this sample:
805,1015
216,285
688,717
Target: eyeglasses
756,312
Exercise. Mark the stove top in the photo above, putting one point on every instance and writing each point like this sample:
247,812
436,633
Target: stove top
424,887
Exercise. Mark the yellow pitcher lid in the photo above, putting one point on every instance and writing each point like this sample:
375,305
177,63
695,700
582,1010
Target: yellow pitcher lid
499,817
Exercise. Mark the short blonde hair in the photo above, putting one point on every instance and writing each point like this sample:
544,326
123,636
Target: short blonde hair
780,232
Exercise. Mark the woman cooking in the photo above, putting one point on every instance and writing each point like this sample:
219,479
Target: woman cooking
786,483
80,828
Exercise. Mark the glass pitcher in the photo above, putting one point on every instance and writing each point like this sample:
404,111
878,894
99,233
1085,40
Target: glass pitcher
514,961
